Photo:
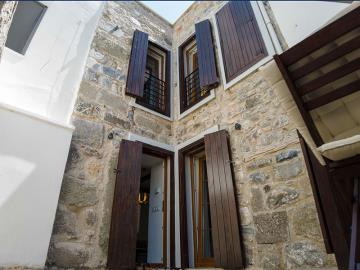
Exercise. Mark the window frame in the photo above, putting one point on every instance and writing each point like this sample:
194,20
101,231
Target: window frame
166,69
33,31
182,49
268,39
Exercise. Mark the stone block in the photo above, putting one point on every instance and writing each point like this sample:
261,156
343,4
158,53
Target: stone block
68,255
88,133
271,227
257,199
258,177
78,193
289,170
305,222
113,73
270,262
286,155
260,163
280,196
65,222
116,121
303,254
113,101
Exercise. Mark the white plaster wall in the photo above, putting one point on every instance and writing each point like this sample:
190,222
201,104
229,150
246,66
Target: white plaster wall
45,80
155,231
298,19
33,153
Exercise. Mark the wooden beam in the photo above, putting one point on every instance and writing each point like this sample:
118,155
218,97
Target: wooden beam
304,113
333,95
325,59
330,77
325,35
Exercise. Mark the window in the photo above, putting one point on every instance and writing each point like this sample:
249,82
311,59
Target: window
197,66
190,83
149,74
26,19
240,39
155,94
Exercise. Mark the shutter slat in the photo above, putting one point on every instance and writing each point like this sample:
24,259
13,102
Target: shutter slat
206,55
241,42
137,64
223,208
123,230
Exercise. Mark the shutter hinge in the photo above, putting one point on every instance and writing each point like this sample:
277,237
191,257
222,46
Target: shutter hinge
230,161
116,171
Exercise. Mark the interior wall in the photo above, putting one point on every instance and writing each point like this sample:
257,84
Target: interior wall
155,231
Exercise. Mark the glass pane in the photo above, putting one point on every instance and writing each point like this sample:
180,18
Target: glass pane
207,248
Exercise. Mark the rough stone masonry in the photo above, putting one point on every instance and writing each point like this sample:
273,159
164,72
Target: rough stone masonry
279,222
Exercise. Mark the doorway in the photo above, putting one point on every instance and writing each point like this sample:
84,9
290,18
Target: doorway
151,233
142,231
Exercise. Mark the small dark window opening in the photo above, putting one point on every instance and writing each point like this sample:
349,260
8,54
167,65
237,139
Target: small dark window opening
26,19
156,85
190,90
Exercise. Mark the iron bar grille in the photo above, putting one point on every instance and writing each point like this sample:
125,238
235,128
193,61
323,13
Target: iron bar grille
193,93
154,97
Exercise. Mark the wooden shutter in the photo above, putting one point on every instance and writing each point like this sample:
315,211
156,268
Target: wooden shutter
206,55
330,221
225,220
137,64
124,219
240,38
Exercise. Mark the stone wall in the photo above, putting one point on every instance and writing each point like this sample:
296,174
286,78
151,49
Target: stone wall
102,117
279,221
7,9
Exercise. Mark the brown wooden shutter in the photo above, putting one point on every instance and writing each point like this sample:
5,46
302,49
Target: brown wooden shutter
225,220
137,64
240,38
124,219
206,55
330,220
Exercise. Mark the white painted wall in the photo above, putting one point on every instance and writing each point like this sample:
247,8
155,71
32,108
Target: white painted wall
155,231
299,19
46,79
33,153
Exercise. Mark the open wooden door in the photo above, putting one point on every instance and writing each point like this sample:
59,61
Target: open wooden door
124,219
223,208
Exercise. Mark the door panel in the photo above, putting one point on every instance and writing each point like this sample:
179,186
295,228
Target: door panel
223,208
122,242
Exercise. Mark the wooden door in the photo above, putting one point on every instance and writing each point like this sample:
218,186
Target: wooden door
124,219
223,208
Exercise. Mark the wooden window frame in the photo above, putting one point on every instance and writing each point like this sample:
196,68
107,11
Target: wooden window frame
182,61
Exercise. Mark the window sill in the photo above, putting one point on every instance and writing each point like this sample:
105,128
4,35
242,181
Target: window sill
134,104
198,105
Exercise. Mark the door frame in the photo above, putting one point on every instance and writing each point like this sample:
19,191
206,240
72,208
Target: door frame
166,154
192,148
